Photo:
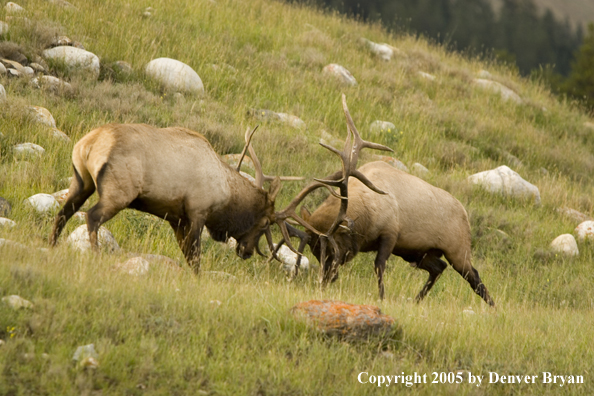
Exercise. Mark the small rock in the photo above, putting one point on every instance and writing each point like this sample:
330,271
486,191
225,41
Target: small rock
59,135
42,203
2,69
14,73
174,75
344,319
42,115
468,311
378,126
13,8
493,86
5,207
565,244
216,303
147,14
383,50
4,222
3,28
339,72
79,239
585,231
135,266
75,59
28,150
37,67
123,67
426,76
8,242
2,93
503,180
392,161
289,259
12,64
574,215
264,115
248,176
2,343
330,140
291,120
80,216
484,74
16,302
86,356
420,170
61,196
51,83
62,3
28,71
233,159
61,40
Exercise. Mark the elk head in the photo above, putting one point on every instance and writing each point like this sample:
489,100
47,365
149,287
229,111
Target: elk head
341,227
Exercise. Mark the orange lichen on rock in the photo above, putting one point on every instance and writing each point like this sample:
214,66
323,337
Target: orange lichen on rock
344,319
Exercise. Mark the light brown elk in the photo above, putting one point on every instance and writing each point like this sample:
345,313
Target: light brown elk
172,173
403,215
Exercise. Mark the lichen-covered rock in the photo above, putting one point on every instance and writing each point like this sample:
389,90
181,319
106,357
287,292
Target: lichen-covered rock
75,59
585,231
42,203
503,180
42,115
344,319
135,266
493,86
340,73
79,239
565,244
174,75
17,302
4,222
28,150
61,196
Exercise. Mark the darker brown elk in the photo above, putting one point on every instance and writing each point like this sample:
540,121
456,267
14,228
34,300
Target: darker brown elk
172,173
403,215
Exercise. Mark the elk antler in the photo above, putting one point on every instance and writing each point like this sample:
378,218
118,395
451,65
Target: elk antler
349,157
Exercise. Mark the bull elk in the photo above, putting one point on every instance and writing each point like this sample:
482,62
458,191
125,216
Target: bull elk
172,173
385,210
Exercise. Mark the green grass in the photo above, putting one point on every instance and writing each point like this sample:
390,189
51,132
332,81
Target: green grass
164,334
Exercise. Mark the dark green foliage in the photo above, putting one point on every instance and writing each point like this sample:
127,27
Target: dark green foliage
580,83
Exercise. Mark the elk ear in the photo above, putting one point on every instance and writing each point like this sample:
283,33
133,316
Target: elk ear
305,214
275,187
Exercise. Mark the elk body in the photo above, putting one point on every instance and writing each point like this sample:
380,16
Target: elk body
385,210
172,173
413,220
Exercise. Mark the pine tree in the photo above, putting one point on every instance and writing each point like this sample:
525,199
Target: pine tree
580,83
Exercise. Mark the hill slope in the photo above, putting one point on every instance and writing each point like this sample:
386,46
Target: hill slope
229,331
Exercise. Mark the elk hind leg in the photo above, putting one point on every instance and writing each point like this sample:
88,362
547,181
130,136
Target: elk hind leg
79,191
461,263
431,263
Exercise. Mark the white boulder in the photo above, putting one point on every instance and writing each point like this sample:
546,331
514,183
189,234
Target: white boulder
42,115
585,231
174,75
503,180
565,244
28,150
289,259
135,266
17,302
493,86
383,50
79,239
13,8
75,58
42,202
4,222
339,72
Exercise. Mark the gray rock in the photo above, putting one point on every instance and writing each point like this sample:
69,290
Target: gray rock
2,93
28,150
574,215
174,75
378,126
392,161
63,4
37,67
135,266
75,59
3,69
13,8
426,76
420,170
79,239
11,64
383,50
289,260
123,67
493,86
343,319
14,73
4,222
17,302
51,83
42,115
86,356
3,28
42,203
5,207
505,181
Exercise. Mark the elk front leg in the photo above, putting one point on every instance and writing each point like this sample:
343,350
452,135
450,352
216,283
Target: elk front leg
435,266
384,251
188,238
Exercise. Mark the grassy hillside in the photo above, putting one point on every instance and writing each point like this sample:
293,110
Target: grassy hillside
166,333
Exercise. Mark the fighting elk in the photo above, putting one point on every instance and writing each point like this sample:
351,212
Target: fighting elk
385,210
172,173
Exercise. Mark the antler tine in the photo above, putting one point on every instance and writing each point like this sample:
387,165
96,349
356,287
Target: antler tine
258,173
248,139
